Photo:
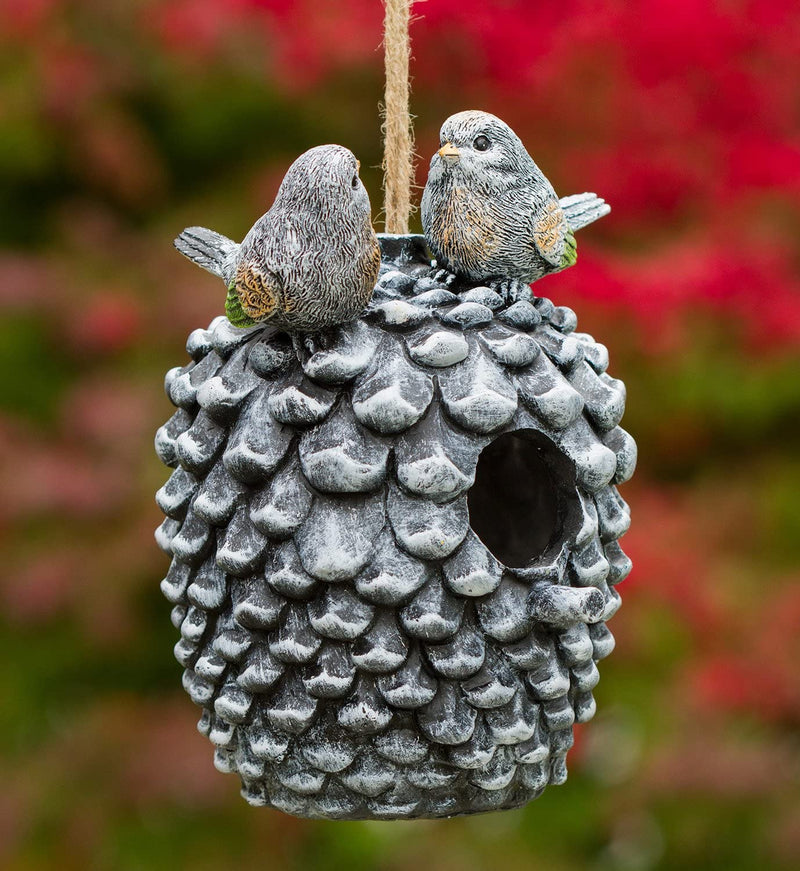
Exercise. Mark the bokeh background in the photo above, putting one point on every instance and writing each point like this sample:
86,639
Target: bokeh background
122,121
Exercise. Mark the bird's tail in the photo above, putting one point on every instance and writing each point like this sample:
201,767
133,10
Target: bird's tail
212,251
582,209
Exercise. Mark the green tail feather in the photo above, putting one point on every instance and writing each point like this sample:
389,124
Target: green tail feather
570,256
234,311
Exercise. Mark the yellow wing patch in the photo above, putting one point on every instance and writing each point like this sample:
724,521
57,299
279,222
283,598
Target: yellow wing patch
550,230
257,291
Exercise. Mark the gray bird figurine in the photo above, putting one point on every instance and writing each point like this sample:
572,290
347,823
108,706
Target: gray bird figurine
490,214
308,264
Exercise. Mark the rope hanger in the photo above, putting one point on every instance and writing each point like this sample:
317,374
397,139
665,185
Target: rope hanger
398,164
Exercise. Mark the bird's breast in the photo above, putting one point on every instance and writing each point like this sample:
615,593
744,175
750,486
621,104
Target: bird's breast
464,229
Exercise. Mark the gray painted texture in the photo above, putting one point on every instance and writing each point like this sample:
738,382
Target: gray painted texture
356,650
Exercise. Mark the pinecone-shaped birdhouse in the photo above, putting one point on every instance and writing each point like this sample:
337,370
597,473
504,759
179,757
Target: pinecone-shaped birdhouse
393,560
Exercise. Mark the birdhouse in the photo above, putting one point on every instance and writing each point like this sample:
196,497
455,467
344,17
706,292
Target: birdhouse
394,558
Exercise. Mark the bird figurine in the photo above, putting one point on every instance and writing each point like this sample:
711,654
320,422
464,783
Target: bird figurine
490,214
307,265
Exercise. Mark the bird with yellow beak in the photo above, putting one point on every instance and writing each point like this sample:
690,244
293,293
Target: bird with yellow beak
489,213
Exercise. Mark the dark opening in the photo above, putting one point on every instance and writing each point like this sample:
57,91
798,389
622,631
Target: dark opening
514,506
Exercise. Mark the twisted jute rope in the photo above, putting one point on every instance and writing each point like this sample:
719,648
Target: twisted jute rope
398,140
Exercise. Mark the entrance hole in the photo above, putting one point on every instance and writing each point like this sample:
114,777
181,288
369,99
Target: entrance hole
515,505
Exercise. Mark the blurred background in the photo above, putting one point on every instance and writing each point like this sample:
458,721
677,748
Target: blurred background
121,122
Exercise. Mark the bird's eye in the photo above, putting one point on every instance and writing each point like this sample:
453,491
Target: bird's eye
354,182
481,143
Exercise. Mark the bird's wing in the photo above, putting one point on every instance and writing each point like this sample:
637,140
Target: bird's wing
582,209
211,251
253,296
551,233
234,311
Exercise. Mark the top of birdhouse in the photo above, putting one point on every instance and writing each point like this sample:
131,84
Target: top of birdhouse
492,366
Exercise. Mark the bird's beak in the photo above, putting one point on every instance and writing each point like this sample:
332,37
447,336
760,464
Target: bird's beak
449,152
358,165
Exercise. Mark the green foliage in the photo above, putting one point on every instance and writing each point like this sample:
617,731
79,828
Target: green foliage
34,372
